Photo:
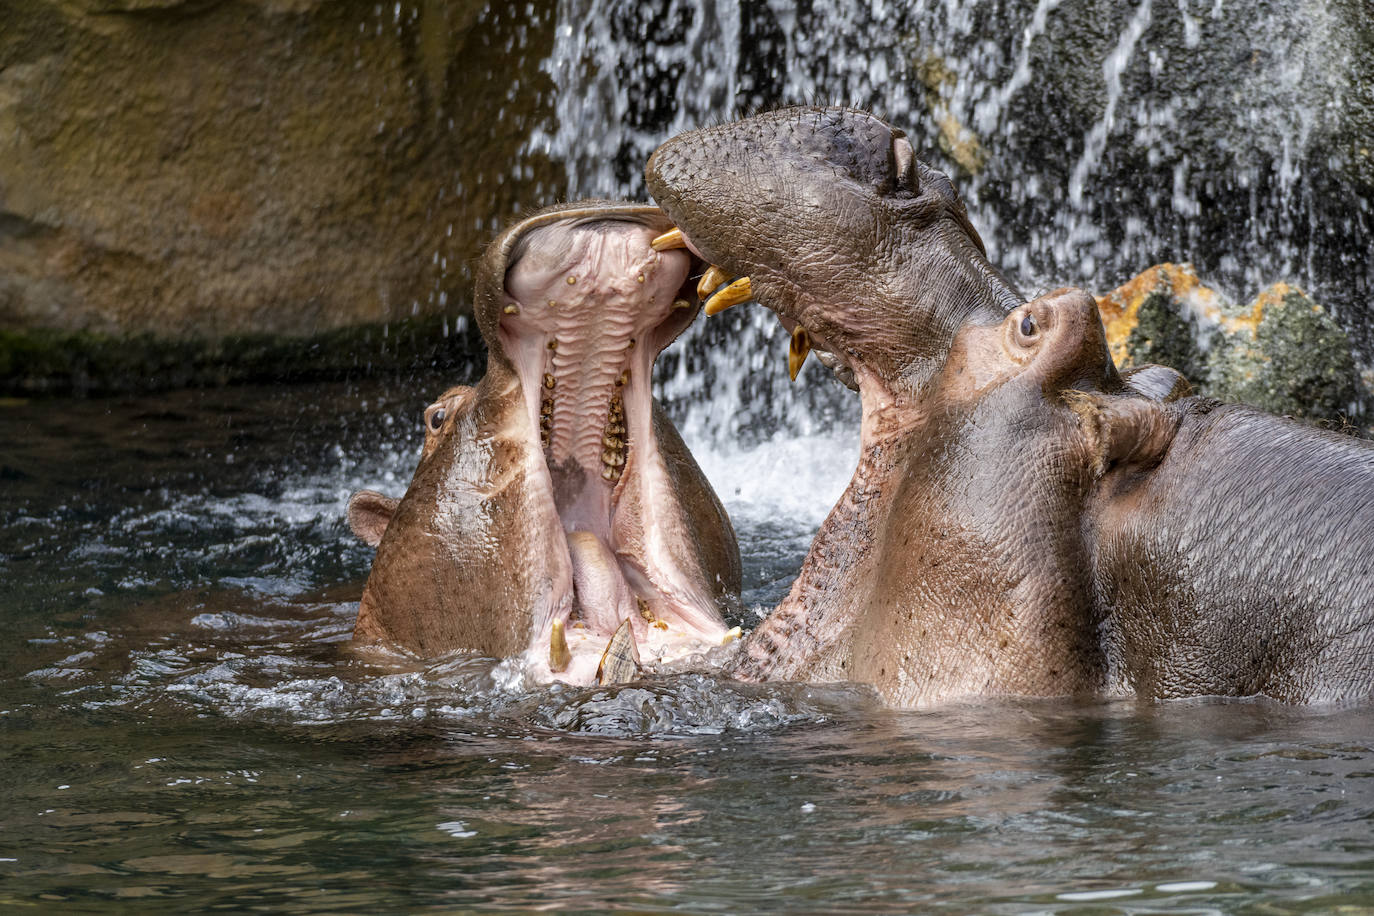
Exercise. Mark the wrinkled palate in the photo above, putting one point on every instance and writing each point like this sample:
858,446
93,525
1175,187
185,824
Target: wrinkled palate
589,306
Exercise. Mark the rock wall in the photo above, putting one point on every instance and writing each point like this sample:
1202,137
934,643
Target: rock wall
194,169
1282,352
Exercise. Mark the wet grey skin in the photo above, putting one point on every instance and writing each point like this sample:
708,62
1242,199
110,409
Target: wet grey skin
554,500
1024,519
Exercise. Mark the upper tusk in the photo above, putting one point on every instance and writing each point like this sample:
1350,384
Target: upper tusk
669,240
713,277
797,351
734,294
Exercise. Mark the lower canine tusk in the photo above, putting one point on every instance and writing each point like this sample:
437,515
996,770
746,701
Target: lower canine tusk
669,240
620,662
732,295
797,351
559,654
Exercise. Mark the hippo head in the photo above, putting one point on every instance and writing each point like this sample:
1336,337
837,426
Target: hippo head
956,547
863,251
554,505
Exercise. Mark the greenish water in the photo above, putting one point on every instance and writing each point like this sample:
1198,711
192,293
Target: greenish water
184,727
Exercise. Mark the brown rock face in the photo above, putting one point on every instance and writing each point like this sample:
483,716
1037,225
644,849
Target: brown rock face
194,169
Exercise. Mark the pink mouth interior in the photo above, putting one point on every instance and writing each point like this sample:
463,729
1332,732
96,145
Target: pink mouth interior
590,305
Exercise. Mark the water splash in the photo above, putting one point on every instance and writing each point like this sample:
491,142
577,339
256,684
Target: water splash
1090,141
1095,143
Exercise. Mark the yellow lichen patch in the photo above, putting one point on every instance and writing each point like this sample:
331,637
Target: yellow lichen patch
956,140
1120,308
960,143
1250,320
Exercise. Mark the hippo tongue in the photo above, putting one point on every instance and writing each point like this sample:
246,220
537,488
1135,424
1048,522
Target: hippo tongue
602,596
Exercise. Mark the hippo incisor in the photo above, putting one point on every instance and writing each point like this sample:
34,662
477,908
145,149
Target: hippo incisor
1024,519
554,501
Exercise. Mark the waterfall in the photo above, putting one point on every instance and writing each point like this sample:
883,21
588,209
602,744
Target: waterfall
1089,141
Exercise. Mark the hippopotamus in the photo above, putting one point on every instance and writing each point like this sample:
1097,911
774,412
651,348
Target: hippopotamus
555,514
1024,519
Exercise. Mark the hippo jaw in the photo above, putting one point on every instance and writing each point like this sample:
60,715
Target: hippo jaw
846,236
864,252
585,308
553,506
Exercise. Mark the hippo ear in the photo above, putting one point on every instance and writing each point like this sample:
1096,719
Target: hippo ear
369,512
1158,383
1123,429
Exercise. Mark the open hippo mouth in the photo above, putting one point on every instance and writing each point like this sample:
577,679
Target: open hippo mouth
640,553
826,217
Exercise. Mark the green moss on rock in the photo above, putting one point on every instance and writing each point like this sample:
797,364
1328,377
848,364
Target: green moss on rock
1164,335
44,361
1297,361
1282,352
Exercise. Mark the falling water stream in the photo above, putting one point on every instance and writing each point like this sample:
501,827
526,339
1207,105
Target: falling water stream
185,726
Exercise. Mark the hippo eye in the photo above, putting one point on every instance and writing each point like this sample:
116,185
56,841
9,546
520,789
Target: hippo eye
1028,326
436,419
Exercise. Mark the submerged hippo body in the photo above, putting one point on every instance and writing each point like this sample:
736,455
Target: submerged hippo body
554,501
1232,550
1024,519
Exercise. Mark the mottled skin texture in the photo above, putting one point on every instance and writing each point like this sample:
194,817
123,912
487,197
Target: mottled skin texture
1232,552
1023,520
476,556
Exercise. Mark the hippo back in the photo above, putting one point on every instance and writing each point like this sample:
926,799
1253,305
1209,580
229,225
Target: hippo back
1241,564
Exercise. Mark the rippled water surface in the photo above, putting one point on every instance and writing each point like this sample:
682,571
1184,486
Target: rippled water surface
185,727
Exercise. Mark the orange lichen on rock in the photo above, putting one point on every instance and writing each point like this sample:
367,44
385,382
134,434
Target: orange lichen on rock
1281,352
1250,320
1120,308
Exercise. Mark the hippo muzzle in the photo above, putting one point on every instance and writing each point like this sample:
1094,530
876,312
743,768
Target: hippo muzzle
865,253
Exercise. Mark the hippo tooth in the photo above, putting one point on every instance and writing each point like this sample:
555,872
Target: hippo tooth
620,662
669,240
734,294
681,304
731,635
559,654
797,351
713,277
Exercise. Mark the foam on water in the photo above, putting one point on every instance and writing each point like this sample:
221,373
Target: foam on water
233,592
